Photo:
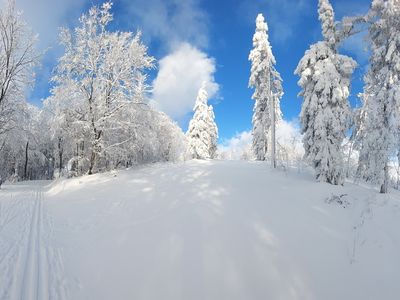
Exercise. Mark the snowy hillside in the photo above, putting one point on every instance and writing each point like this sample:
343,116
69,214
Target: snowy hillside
198,230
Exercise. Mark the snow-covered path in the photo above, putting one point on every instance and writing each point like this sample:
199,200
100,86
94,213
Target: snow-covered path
27,262
198,230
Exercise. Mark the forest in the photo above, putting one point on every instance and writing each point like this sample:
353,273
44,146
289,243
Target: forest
111,189
99,116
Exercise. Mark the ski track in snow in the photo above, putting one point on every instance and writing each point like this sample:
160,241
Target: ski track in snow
198,230
29,267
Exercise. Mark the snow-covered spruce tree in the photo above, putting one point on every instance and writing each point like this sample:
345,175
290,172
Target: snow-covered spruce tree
378,137
213,132
267,85
325,115
99,75
202,134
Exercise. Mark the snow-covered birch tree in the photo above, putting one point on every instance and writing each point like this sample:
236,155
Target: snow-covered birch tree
378,136
17,59
202,134
325,115
267,85
99,75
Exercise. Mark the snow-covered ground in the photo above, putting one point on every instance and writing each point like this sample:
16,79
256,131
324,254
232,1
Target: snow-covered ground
198,230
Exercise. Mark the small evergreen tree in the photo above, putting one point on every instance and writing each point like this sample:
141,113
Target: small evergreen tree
267,85
325,116
202,133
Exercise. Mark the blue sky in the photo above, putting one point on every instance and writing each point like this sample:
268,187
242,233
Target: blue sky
205,40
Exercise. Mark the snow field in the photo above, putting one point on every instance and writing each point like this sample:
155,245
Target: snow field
198,230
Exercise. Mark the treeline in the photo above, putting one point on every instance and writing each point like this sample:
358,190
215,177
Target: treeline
98,116
326,116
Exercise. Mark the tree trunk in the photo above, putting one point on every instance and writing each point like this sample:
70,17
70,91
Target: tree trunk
264,157
95,147
60,156
26,162
384,186
273,128
92,161
348,160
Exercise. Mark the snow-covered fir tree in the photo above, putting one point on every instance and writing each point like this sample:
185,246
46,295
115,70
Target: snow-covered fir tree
213,131
378,136
325,115
327,19
202,134
267,85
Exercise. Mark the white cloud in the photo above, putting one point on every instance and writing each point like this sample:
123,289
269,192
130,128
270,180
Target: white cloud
288,137
169,21
46,16
290,149
237,147
287,132
179,29
181,74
